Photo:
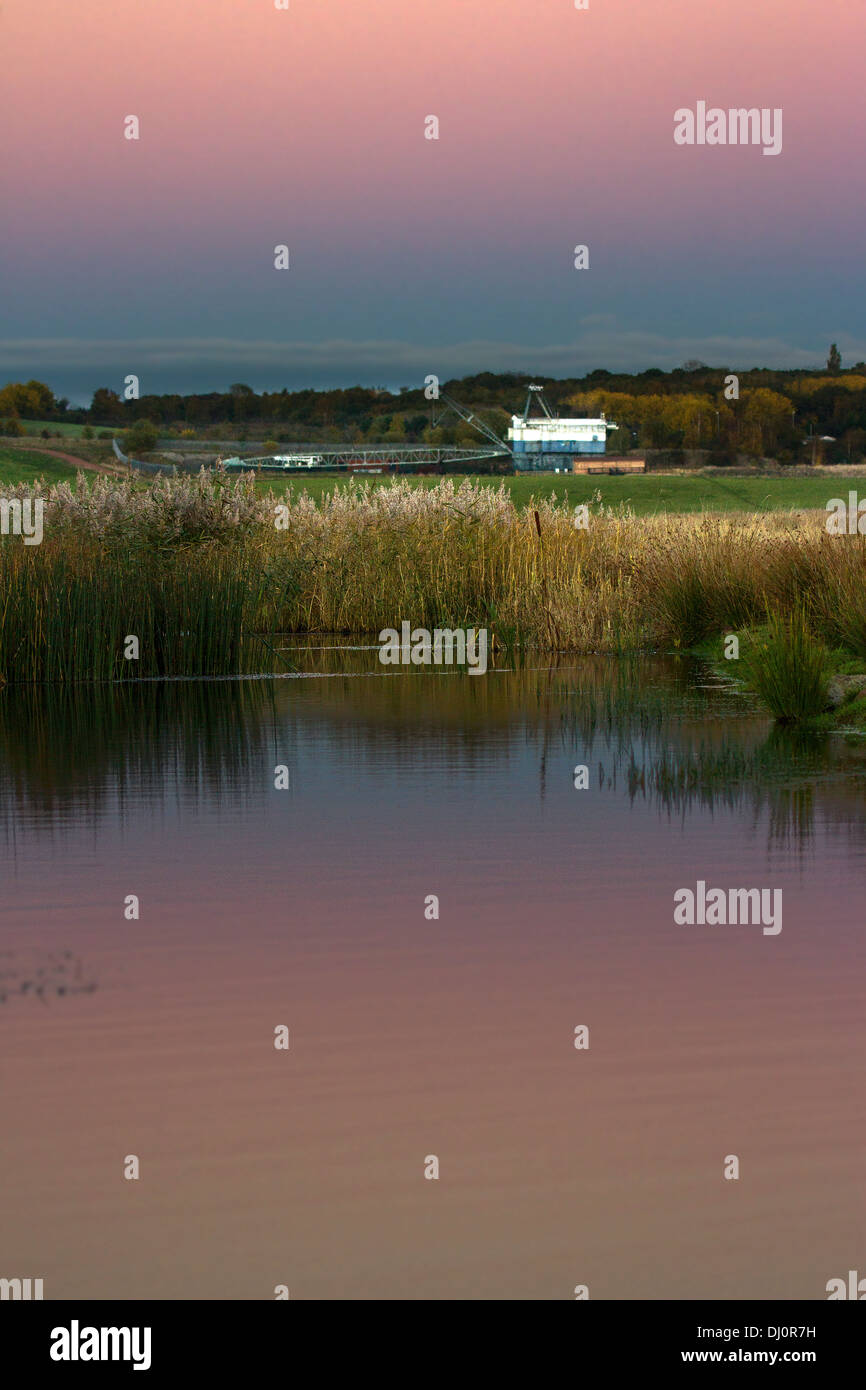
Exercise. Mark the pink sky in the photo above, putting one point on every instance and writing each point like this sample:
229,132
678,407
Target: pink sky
260,126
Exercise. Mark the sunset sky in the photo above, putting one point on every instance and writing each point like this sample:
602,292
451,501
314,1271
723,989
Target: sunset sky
306,127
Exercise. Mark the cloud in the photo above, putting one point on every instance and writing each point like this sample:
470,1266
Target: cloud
167,364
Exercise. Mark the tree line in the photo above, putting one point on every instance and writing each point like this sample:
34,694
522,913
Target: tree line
762,412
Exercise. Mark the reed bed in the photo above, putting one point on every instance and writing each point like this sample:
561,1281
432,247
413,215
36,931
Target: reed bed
204,571
788,667
69,607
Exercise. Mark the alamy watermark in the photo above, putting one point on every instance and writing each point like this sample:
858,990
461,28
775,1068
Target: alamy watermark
739,125
855,1288
76,1343
443,646
21,1289
846,519
19,518
713,907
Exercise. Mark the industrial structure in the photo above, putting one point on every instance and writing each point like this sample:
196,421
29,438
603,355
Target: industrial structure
543,442
539,443
373,458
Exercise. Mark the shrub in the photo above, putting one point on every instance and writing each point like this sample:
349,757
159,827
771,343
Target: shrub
788,668
87,432
142,436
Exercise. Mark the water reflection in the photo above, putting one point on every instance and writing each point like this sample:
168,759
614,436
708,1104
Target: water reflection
43,974
413,1035
650,729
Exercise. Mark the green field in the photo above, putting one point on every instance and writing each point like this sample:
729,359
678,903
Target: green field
26,465
644,494
68,431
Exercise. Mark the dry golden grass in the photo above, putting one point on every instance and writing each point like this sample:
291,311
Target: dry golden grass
622,583
210,561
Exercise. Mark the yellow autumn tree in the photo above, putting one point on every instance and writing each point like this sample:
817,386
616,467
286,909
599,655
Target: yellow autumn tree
766,419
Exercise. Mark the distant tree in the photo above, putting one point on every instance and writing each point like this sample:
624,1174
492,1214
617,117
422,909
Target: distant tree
106,407
689,420
142,436
766,421
834,361
467,434
855,443
11,428
41,398
87,432
243,401
33,400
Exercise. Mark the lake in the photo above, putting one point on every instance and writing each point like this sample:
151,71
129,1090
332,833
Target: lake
420,1032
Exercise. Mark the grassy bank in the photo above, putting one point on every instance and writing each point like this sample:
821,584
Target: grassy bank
203,576
29,466
63,429
645,495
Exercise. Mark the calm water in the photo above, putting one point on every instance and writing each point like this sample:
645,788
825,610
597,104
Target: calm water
413,1037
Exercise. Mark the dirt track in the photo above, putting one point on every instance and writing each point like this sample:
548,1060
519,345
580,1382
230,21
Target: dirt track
110,469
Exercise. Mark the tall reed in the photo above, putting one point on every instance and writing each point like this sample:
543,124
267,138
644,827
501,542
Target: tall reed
788,668
204,571
70,606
